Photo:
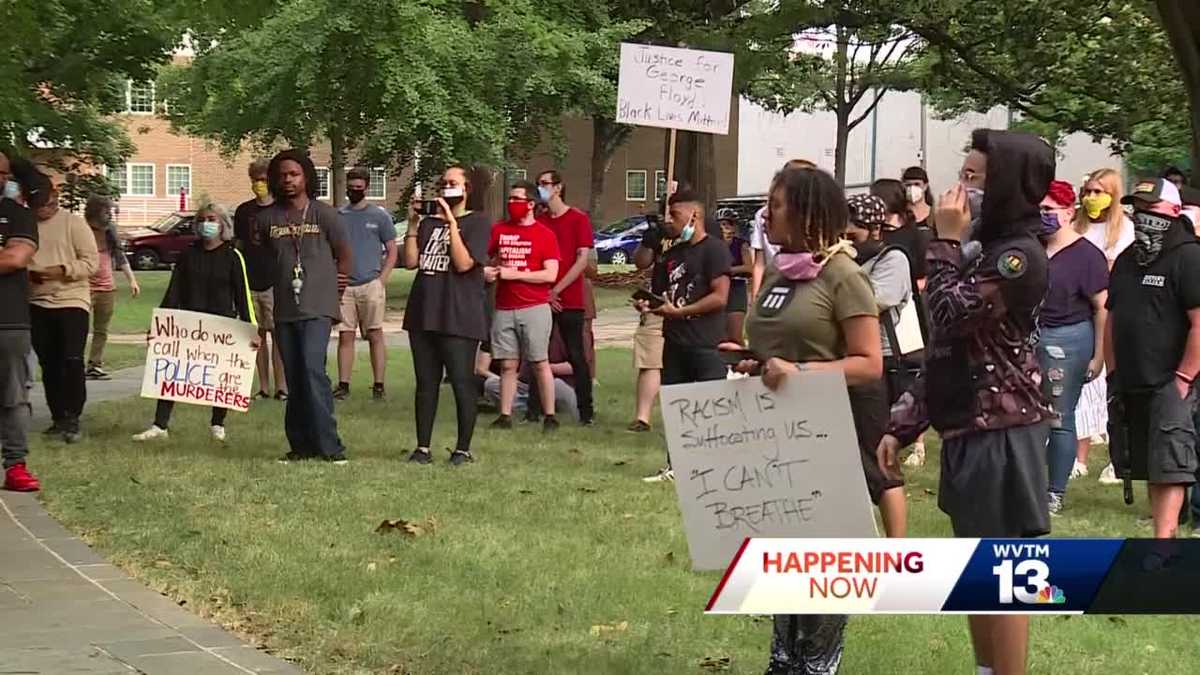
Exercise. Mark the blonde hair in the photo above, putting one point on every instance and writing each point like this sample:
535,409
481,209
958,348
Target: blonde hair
222,217
1109,181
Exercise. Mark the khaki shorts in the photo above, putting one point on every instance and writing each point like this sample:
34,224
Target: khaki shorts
264,308
362,307
648,343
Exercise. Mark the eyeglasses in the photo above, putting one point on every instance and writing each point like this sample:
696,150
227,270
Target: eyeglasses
546,183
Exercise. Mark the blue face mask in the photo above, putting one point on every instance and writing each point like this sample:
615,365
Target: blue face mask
207,229
688,232
12,190
544,193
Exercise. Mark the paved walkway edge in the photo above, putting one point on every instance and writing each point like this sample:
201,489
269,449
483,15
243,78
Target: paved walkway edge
39,556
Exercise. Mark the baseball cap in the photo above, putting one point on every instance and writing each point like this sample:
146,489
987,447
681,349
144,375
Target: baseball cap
1153,191
868,210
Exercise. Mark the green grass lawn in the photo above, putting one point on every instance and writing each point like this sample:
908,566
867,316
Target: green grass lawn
133,314
521,554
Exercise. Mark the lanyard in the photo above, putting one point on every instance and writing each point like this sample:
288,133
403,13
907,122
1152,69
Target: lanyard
298,268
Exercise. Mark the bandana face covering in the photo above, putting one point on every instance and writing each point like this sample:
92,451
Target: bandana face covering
1149,229
805,266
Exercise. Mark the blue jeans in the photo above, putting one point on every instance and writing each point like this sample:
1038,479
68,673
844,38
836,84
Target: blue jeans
309,422
1064,353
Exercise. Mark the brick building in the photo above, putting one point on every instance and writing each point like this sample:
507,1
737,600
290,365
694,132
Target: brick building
169,169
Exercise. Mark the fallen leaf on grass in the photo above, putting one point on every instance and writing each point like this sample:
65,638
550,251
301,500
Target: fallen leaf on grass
672,612
602,629
665,655
525,492
628,516
1120,621
575,451
408,527
371,567
715,663
357,615
134,481
620,462
163,564
929,492
588,490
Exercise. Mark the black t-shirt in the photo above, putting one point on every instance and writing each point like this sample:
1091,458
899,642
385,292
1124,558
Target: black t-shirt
260,259
685,274
914,241
1149,308
16,222
443,300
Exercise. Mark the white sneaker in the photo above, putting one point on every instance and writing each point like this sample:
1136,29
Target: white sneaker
1080,470
154,433
663,476
1109,476
917,457
218,433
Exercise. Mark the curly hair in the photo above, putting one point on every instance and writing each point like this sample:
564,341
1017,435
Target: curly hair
816,209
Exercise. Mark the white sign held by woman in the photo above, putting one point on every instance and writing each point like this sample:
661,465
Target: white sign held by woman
672,88
751,462
198,358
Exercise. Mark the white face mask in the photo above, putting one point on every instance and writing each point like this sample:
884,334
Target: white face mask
915,194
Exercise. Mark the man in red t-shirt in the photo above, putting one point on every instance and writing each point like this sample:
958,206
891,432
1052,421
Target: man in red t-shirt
576,241
525,262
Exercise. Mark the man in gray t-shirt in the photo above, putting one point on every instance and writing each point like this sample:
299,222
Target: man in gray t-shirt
372,236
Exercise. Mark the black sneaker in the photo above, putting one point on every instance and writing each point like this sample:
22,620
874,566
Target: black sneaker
587,421
95,372
460,457
71,433
502,422
262,396
338,459
55,428
281,395
341,392
293,457
378,393
550,424
419,456
532,417
638,427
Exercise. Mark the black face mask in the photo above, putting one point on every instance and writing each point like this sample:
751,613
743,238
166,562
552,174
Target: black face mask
356,196
867,250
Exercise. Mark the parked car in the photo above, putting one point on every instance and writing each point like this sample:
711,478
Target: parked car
161,243
615,245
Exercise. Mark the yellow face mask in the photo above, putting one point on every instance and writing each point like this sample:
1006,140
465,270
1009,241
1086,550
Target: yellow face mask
1095,205
260,189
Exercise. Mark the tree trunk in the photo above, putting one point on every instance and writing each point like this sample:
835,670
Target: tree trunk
695,165
337,165
607,136
843,106
1181,19
839,151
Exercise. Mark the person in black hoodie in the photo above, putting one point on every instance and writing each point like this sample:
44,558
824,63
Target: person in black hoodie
981,384
210,277
1152,351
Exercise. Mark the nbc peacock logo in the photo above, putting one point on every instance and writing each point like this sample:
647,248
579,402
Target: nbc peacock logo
1051,595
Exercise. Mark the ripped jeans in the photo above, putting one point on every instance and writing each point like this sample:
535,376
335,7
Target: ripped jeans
1064,353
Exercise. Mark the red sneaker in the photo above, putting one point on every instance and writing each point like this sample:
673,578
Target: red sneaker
18,479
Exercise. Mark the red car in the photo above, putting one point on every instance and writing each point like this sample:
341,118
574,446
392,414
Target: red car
161,243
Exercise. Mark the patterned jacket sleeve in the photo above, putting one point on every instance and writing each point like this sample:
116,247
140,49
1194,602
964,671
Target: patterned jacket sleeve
959,299
910,417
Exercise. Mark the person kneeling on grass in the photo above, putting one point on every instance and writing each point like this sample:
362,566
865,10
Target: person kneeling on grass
565,402
210,277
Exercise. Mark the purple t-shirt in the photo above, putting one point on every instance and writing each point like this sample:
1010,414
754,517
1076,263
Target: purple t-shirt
1077,272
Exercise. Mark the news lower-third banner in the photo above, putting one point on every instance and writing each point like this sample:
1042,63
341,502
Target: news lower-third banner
961,576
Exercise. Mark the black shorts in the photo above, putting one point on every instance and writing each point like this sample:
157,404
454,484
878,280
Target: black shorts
870,408
995,483
738,297
1153,436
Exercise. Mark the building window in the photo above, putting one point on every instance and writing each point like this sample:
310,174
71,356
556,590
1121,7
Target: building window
660,185
119,175
139,97
323,188
635,186
179,176
377,188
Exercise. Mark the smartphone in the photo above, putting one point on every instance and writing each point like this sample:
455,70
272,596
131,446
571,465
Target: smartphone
429,207
732,357
654,300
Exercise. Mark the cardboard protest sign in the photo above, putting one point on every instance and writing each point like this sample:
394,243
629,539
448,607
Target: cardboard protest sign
686,89
199,358
751,462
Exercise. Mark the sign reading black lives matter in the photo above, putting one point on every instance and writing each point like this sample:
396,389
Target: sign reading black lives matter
672,88
751,462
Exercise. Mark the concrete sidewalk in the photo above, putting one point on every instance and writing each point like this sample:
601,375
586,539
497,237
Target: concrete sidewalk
65,610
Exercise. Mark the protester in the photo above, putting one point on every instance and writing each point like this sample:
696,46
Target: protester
1175,175
764,250
648,336
98,215
1071,327
981,386
816,312
564,387
24,188
372,237
890,276
261,273
576,241
1191,206
312,263
903,234
445,317
61,300
526,260
742,258
1102,221
693,279
920,199
210,277
1153,352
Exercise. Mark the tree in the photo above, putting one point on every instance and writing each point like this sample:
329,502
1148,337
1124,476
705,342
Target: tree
62,76
1181,20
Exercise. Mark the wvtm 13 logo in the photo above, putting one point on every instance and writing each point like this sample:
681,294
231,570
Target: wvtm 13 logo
1027,579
